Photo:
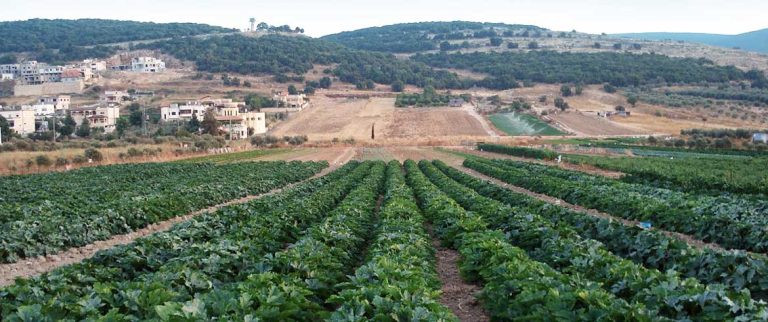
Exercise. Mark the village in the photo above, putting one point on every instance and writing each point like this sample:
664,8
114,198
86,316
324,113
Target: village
54,86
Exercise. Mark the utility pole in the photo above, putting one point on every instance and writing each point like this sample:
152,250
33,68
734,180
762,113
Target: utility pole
54,125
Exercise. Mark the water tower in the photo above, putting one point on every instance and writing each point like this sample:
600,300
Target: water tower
253,23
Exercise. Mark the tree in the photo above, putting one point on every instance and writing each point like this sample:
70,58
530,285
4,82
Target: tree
136,116
309,90
496,41
596,45
533,45
620,108
262,26
210,125
121,125
617,46
566,90
369,84
93,154
84,130
193,126
8,59
5,128
68,127
513,45
561,104
398,86
579,89
247,84
632,100
608,88
325,82
292,90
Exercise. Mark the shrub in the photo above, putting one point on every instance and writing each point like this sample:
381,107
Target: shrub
93,154
43,161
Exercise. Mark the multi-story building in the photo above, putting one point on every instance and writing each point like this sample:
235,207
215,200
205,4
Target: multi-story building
94,65
20,119
60,102
291,101
232,118
147,65
185,112
43,109
98,116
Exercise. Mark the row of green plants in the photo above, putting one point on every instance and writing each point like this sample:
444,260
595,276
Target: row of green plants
651,248
518,151
210,256
728,221
736,175
662,294
45,214
398,280
515,287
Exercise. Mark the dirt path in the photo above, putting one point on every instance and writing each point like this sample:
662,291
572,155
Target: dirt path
483,122
31,267
592,212
457,295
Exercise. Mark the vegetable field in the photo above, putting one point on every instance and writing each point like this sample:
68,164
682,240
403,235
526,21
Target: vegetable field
357,244
44,214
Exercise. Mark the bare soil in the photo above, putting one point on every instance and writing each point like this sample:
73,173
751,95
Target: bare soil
31,267
458,295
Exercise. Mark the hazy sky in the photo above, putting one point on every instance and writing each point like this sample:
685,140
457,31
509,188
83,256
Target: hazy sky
325,17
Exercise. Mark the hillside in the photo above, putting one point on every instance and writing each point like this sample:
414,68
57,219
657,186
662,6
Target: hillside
422,36
62,40
281,56
756,41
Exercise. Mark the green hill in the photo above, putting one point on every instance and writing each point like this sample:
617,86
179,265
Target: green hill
62,40
756,41
422,36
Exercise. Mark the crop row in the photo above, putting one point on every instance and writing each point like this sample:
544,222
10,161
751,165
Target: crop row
650,248
664,294
51,223
208,253
398,281
515,287
732,223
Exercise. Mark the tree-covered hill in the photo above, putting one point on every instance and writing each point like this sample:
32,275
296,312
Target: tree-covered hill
39,34
508,69
280,55
422,36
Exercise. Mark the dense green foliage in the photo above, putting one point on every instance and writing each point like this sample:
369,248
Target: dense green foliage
663,294
738,175
47,213
650,248
214,265
752,96
518,151
280,55
398,278
423,36
515,287
427,98
729,221
508,69
37,34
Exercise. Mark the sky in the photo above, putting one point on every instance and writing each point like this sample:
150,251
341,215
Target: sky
319,18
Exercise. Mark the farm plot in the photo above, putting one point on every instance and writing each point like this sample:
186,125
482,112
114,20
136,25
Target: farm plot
729,221
47,213
515,124
518,253
298,246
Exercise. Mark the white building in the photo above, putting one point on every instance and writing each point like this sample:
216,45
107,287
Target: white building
21,119
185,112
94,65
60,102
147,65
6,77
43,109
760,137
292,101
98,116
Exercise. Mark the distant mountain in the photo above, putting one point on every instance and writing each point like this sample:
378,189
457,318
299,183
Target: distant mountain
756,41
422,36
